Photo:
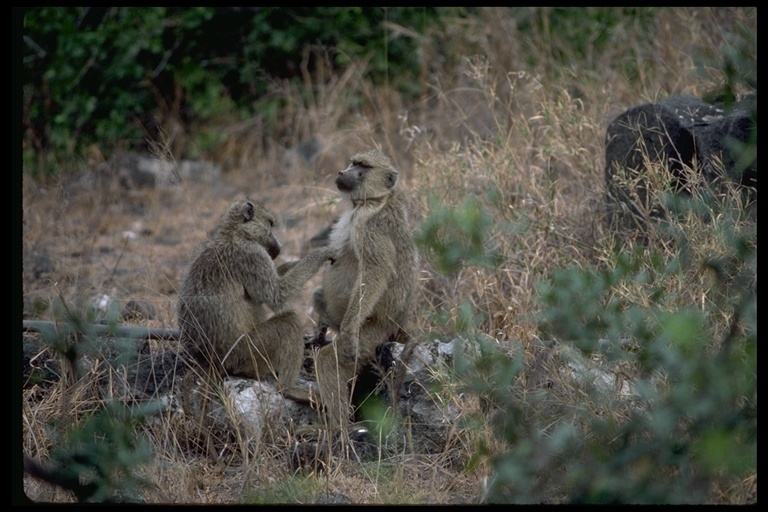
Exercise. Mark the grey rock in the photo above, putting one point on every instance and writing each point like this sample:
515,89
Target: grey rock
305,153
328,498
138,310
137,171
37,263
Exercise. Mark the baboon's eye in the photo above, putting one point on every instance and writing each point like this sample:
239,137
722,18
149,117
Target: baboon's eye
362,165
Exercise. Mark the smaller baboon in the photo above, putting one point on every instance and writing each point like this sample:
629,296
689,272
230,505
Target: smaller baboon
223,301
367,291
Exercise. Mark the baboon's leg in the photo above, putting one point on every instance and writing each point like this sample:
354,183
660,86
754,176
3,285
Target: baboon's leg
318,302
275,350
409,342
199,393
337,365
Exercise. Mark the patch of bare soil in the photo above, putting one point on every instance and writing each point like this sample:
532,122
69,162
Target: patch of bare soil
91,244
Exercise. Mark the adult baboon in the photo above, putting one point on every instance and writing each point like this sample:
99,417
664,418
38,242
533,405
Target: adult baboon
366,293
225,294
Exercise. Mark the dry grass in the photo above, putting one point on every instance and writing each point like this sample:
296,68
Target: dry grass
497,117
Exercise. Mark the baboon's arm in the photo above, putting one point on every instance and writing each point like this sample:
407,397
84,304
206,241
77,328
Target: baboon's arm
285,267
294,279
277,291
370,285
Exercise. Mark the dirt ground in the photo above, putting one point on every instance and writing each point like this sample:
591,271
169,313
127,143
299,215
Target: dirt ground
99,243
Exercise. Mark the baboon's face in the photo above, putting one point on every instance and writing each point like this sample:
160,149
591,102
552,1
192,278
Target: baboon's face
273,247
256,223
368,175
350,178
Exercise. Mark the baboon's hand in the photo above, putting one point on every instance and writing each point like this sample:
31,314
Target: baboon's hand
285,267
327,253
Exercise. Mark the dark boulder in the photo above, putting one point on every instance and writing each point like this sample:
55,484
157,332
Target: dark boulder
658,144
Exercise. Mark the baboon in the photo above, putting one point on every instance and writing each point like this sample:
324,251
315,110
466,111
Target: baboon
225,294
366,293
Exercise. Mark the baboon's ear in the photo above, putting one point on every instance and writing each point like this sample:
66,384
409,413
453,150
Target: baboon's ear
248,211
391,179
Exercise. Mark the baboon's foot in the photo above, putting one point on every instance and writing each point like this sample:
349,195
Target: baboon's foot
303,395
318,340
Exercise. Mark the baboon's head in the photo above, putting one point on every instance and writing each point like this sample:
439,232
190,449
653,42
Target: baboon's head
252,221
369,176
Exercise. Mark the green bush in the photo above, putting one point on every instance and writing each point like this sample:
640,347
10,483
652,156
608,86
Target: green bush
574,37
691,421
98,458
113,75
454,237
97,449
651,395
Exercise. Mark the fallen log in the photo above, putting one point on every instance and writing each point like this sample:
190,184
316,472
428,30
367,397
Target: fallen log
119,331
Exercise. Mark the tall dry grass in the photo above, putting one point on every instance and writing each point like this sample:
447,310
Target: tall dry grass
500,121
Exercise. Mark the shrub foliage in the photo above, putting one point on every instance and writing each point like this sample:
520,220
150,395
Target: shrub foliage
112,74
